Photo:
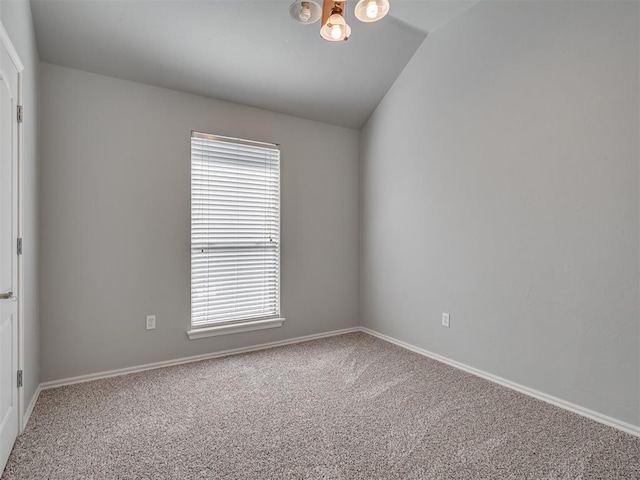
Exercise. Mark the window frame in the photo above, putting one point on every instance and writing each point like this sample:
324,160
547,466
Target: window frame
237,325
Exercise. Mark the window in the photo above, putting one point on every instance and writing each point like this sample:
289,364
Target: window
235,235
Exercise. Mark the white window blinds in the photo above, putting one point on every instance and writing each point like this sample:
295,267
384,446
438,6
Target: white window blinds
235,230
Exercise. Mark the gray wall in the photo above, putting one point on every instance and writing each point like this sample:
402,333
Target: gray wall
16,18
116,212
499,184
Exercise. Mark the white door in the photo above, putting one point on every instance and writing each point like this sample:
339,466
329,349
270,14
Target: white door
9,79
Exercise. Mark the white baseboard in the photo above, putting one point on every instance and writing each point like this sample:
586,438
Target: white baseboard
29,410
196,358
585,412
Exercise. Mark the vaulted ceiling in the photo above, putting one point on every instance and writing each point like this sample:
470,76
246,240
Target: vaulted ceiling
247,52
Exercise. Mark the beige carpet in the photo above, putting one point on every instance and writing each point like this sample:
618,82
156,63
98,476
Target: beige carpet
348,407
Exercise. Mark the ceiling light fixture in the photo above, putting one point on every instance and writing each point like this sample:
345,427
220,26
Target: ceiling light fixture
305,12
371,10
334,25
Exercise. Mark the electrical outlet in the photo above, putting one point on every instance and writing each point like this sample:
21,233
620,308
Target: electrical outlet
445,319
151,322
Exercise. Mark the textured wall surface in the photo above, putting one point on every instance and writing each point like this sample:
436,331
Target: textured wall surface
16,18
116,219
500,184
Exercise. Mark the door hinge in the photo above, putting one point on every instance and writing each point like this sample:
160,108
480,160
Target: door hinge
20,113
19,378
19,246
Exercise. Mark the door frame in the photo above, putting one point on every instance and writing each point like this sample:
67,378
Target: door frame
17,181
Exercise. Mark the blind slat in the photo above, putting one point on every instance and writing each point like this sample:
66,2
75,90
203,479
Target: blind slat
235,230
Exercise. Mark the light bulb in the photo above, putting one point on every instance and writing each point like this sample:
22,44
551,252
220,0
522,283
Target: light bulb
305,14
336,32
372,9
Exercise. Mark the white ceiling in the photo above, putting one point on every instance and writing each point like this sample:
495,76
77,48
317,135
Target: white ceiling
427,15
247,52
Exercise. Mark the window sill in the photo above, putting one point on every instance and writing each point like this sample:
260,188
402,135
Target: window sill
247,326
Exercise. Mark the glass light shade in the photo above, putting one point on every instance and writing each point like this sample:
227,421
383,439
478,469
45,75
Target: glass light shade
336,29
371,10
305,11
